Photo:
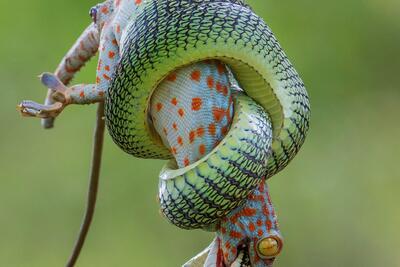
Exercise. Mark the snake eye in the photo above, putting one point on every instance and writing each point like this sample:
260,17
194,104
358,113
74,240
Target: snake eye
93,14
269,247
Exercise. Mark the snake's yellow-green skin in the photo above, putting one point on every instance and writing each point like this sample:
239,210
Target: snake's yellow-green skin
168,34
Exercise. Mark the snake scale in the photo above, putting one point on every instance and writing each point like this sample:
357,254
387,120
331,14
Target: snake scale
259,103
166,35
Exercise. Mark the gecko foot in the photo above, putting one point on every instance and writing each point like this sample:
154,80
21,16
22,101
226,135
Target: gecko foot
29,108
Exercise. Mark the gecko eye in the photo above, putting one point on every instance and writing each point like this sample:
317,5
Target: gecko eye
269,247
93,14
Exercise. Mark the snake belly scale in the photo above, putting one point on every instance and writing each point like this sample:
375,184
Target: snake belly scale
166,35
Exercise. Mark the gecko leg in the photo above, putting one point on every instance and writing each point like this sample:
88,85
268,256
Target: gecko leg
82,51
80,94
61,97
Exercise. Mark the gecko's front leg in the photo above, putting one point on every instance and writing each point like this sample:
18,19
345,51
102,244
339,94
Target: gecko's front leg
85,47
61,96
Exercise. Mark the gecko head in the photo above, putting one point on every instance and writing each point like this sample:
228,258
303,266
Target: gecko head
102,13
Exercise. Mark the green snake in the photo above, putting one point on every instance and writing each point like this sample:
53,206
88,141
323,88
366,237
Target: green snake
166,35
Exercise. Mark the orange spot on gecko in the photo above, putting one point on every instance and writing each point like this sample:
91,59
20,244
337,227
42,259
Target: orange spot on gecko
181,112
171,77
98,79
249,211
114,42
202,149
210,82
252,227
70,69
200,132
218,113
225,90
82,94
159,106
235,234
269,225
173,150
196,103
107,68
99,65
138,2
265,211
104,10
174,101
260,232
192,136
175,126
118,29
111,54
196,75
224,130
105,76
221,68
234,218
226,255
228,114
179,140
211,129
186,162
219,87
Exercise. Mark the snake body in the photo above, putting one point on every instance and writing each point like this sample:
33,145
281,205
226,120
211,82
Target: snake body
168,34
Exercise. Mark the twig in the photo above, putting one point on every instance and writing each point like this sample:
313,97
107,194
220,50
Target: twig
93,185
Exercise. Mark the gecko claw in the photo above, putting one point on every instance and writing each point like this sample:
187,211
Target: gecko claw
29,108
32,109
53,83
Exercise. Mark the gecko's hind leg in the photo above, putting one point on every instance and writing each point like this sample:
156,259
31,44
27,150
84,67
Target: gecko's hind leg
61,96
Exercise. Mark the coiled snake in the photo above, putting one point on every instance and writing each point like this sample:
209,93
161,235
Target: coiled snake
143,46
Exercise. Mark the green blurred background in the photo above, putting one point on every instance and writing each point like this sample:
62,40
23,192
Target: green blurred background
338,202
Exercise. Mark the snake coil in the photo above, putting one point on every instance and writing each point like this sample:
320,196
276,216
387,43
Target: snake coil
270,123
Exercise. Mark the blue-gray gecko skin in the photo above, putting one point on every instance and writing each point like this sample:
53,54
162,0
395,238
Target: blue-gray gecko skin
205,84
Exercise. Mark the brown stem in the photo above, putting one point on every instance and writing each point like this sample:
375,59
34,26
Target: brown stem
93,185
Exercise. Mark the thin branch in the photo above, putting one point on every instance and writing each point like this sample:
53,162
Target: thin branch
93,186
